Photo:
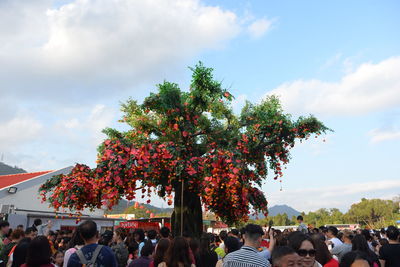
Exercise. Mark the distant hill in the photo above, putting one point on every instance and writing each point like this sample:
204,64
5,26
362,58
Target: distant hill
7,169
123,204
278,209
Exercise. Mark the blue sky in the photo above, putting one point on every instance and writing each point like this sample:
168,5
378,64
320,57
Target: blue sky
66,65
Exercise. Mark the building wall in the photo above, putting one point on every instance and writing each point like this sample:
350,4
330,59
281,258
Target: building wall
27,195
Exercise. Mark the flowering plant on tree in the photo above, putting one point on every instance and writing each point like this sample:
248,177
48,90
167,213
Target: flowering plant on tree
191,149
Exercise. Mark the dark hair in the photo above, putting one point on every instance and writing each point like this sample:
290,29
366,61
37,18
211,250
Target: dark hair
88,229
231,244
76,239
37,222
392,232
39,252
212,237
300,218
383,241
132,247
279,252
161,249
4,224
253,231
322,255
222,235
17,234
367,234
140,233
360,244
106,238
204,248
121,233
295,240
151,234
20,252
178,253
51,233
147,249
235,232
333,230
20,226
164,231
194,245
30,230
349,258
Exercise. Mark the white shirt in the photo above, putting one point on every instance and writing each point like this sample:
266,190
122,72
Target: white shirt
336,241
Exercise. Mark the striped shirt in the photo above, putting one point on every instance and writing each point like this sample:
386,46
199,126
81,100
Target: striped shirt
245,257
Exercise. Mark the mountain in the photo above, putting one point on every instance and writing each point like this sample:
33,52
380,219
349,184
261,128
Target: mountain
7,169
278,209
123,204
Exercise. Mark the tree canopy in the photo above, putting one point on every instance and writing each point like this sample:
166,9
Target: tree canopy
191,139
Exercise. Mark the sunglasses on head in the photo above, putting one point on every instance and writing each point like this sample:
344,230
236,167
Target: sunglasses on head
304,252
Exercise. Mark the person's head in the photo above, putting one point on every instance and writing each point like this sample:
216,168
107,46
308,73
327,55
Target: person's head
20,252
222,235
152,234
88,230
204,247
252,235
37,222
366,233
354,259
76,239
347,236
51,235
304,246
147,249
392,233
178,253
285,257
383,241
20,226
17,235
164,231
194,245
235,233
322,254
139,235
106,238
161,249
39,252
119,235
332,232
4,227
300,219
231,244
31,232
360,243
58,257
212,238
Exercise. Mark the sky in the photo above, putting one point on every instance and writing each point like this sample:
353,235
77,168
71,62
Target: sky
65,67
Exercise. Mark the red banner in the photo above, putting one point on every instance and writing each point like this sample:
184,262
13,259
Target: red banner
141,225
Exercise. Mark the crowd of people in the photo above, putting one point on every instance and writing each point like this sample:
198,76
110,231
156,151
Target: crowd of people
39,246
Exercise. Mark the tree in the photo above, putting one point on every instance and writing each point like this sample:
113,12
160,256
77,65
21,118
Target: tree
191,148
373,212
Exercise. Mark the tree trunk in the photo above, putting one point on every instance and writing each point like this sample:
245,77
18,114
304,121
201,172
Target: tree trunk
192,214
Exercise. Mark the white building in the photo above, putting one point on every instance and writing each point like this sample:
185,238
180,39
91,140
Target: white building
20,202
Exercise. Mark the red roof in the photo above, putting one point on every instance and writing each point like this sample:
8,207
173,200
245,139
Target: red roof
11,179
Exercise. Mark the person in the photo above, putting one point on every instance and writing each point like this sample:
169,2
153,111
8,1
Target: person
231,244
20,226
16,236
139,238
248,255
39,253
360,244
220,252
302,226
177,254
119,248
151,235
284,257
20,252
332,237
355,259
104,258
51,236
31,232
40,227
74,244
266,253
304,246
58,258
144,260
323,256
160,251
222,235
106,238
205,256
389,254
4,229
341,250
165,232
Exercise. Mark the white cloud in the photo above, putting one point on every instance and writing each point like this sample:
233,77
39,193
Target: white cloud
259,27
333,196
371,87
18,131
379,135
